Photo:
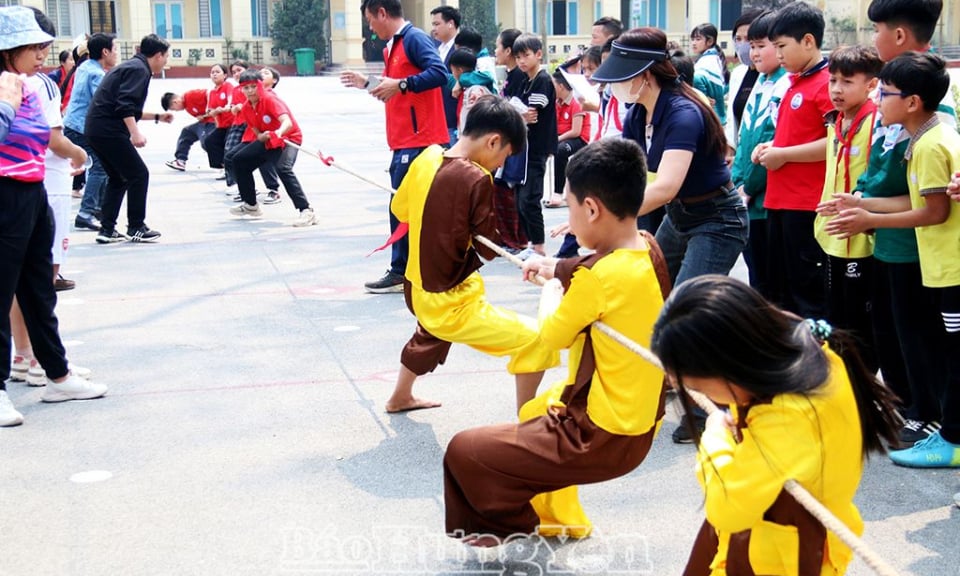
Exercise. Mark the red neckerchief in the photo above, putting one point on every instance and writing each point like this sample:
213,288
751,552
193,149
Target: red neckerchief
615,115
845,142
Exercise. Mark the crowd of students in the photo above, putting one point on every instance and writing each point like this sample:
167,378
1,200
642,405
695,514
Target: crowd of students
809,165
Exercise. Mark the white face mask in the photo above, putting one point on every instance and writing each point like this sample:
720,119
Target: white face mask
624,91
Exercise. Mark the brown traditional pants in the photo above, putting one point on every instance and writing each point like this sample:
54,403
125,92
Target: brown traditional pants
491,473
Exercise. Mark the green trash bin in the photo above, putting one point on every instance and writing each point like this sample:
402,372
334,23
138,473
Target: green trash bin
304,58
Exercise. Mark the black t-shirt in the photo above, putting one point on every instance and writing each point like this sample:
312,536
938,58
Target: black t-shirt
511,85
740,100
539,93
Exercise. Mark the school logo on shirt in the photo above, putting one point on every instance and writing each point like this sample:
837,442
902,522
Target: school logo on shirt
267,119
223,96
796,101
566,115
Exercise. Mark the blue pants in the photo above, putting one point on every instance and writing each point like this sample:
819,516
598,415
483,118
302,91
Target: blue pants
399,165
96,176
706,237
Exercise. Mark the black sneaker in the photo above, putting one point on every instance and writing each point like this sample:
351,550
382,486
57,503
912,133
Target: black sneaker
143,234
914,431
81,223
391,282
110,236
682,434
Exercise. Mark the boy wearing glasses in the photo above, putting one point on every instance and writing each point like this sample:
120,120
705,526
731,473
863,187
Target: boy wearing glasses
905,317
913,86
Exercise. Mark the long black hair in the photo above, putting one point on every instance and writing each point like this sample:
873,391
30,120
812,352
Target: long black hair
715,326
668,79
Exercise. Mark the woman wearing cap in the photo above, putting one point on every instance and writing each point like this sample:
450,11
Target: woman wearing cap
26,231
705,227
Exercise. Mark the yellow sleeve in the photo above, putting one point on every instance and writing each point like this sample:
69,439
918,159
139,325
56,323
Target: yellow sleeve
400,203
934,170
580,307
741,481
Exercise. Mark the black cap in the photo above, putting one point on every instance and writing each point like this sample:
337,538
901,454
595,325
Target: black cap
625,62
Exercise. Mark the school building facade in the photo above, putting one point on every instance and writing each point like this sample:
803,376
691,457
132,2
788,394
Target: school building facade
203,32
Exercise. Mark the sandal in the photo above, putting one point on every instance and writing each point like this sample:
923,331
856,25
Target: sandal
556,201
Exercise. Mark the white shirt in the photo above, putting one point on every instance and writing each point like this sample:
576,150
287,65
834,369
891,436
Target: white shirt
445,49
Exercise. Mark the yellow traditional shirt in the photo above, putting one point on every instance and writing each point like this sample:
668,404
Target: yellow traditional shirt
814,439
620,289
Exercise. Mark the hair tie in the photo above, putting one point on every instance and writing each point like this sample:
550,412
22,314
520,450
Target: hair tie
821,329
679,79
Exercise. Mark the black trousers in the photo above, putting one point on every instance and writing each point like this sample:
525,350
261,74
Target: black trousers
26,270
127,175
796,264
755,255
249,156
215,144
918,338
565,150
529,196
189,136
949,302
850,300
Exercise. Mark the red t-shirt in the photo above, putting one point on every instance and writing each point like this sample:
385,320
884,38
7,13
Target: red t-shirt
799,185
565,115
238,98
219,97
265,117
195,103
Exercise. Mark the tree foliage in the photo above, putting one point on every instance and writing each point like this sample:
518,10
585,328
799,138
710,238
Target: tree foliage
300,24
481,15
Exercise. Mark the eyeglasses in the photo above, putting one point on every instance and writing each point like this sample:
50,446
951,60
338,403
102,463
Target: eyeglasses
885,93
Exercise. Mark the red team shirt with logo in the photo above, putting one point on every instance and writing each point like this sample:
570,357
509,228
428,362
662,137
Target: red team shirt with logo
265,117
799,185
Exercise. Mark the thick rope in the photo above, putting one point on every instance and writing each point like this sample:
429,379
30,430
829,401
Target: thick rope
329,161
803,497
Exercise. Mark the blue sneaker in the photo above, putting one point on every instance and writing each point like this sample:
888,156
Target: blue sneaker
931,452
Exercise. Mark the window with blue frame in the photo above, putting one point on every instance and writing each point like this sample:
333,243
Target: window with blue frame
211,20
562,17
259,18
650,13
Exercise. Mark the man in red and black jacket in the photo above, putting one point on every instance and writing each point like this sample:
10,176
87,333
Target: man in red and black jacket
410,88
195,103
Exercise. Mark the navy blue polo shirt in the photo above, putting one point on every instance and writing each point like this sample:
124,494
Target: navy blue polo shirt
678,125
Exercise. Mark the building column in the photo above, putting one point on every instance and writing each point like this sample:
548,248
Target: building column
238,22
346,33
136,18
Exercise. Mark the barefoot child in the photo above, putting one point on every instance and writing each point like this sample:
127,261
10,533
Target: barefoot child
598,423
447,199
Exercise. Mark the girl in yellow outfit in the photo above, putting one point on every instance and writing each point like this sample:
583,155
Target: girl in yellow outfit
798,410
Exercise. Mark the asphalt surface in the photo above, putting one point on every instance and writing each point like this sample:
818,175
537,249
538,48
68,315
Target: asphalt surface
244,431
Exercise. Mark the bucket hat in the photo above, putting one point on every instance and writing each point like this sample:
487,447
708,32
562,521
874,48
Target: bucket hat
18,27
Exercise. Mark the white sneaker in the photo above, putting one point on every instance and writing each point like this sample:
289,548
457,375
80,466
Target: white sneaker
73,388
75,370
19,368
35,375
230,190
307,218
244,209
8,414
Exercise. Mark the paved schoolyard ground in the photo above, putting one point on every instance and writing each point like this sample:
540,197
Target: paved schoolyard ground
244,431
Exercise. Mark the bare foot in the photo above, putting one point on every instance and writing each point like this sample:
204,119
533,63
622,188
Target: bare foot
409,404
481,541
